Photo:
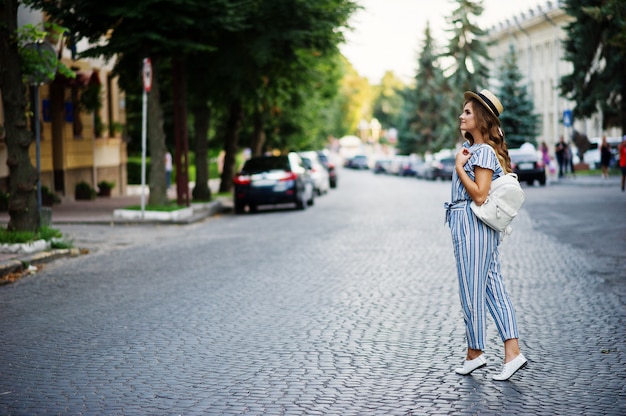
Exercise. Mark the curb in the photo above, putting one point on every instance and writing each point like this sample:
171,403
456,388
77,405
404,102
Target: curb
17,265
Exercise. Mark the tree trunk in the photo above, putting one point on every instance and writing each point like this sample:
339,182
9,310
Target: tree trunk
156,143
258,135
180,133
23,210
202,117
231,139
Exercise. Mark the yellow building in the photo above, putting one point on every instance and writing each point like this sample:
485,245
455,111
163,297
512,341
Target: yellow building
77,145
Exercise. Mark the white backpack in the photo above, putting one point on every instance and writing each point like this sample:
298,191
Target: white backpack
503,203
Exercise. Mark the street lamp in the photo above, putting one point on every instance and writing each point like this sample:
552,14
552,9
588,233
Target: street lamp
46,62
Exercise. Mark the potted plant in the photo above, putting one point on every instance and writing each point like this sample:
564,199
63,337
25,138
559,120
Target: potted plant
48,198
84,191
104,188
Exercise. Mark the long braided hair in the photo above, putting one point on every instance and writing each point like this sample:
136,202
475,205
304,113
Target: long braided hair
489,127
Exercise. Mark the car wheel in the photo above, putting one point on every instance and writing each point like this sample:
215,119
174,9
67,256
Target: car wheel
301,202
530,182
253,208
542,181
239,207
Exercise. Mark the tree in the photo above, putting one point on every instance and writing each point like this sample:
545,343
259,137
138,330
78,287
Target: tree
23,60
389,100
24,215
519,122
167,31
596,47
428,123
466,49
468,71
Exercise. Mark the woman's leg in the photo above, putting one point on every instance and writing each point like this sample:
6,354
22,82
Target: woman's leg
471,250
500,306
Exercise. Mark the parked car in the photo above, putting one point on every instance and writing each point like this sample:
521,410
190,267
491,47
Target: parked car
357,162
318,172
330,167
408,167
382,165
528,166
592,155
270,180
439,169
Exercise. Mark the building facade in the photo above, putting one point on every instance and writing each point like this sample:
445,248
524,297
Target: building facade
81,121
537,36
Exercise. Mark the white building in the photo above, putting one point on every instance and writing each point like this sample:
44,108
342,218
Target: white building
537,37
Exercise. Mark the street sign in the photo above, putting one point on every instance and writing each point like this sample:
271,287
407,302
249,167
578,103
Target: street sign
567,118
147,74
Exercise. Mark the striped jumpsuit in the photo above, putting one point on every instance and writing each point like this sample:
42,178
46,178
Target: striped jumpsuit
477,258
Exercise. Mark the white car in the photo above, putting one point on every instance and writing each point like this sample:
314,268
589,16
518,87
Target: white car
318,172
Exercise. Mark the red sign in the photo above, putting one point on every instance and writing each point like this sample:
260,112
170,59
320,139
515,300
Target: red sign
147,74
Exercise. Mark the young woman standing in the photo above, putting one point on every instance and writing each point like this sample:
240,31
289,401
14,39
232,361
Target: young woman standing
482,158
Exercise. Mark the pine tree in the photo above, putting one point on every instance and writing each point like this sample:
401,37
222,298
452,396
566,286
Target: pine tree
427,123
596,48
519,122
466,48
468,72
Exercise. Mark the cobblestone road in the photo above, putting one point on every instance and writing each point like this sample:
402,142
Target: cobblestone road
347,308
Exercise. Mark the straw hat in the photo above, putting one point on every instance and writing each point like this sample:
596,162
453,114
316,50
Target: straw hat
487,99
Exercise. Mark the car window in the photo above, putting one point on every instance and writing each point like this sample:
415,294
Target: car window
265,164
307,162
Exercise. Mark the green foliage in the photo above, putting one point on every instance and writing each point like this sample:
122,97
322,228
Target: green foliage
596,48
40,63
467,49
84,191
49,198
427,125
519,122
106,185
22,237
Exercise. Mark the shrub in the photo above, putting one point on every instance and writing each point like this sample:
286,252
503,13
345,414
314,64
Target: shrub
84,191
104,188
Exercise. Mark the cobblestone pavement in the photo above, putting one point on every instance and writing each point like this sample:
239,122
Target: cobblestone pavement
347,308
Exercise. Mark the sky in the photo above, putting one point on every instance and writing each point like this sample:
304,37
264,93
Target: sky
389,34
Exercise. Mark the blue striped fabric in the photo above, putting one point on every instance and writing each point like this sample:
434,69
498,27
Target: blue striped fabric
477,256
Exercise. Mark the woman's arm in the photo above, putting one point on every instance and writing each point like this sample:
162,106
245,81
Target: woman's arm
477,189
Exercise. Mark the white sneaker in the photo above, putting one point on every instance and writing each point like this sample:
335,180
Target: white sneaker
471,365
511,368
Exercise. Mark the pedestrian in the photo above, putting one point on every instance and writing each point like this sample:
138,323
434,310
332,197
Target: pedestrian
605,157
168,169
569,160
622,160
481,286
559,151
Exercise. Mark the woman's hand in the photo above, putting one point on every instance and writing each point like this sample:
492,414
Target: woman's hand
462,156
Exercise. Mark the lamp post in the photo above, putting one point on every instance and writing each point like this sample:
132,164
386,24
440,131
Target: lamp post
46,62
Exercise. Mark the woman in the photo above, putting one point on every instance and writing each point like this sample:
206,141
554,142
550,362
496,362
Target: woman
482,158
605,157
